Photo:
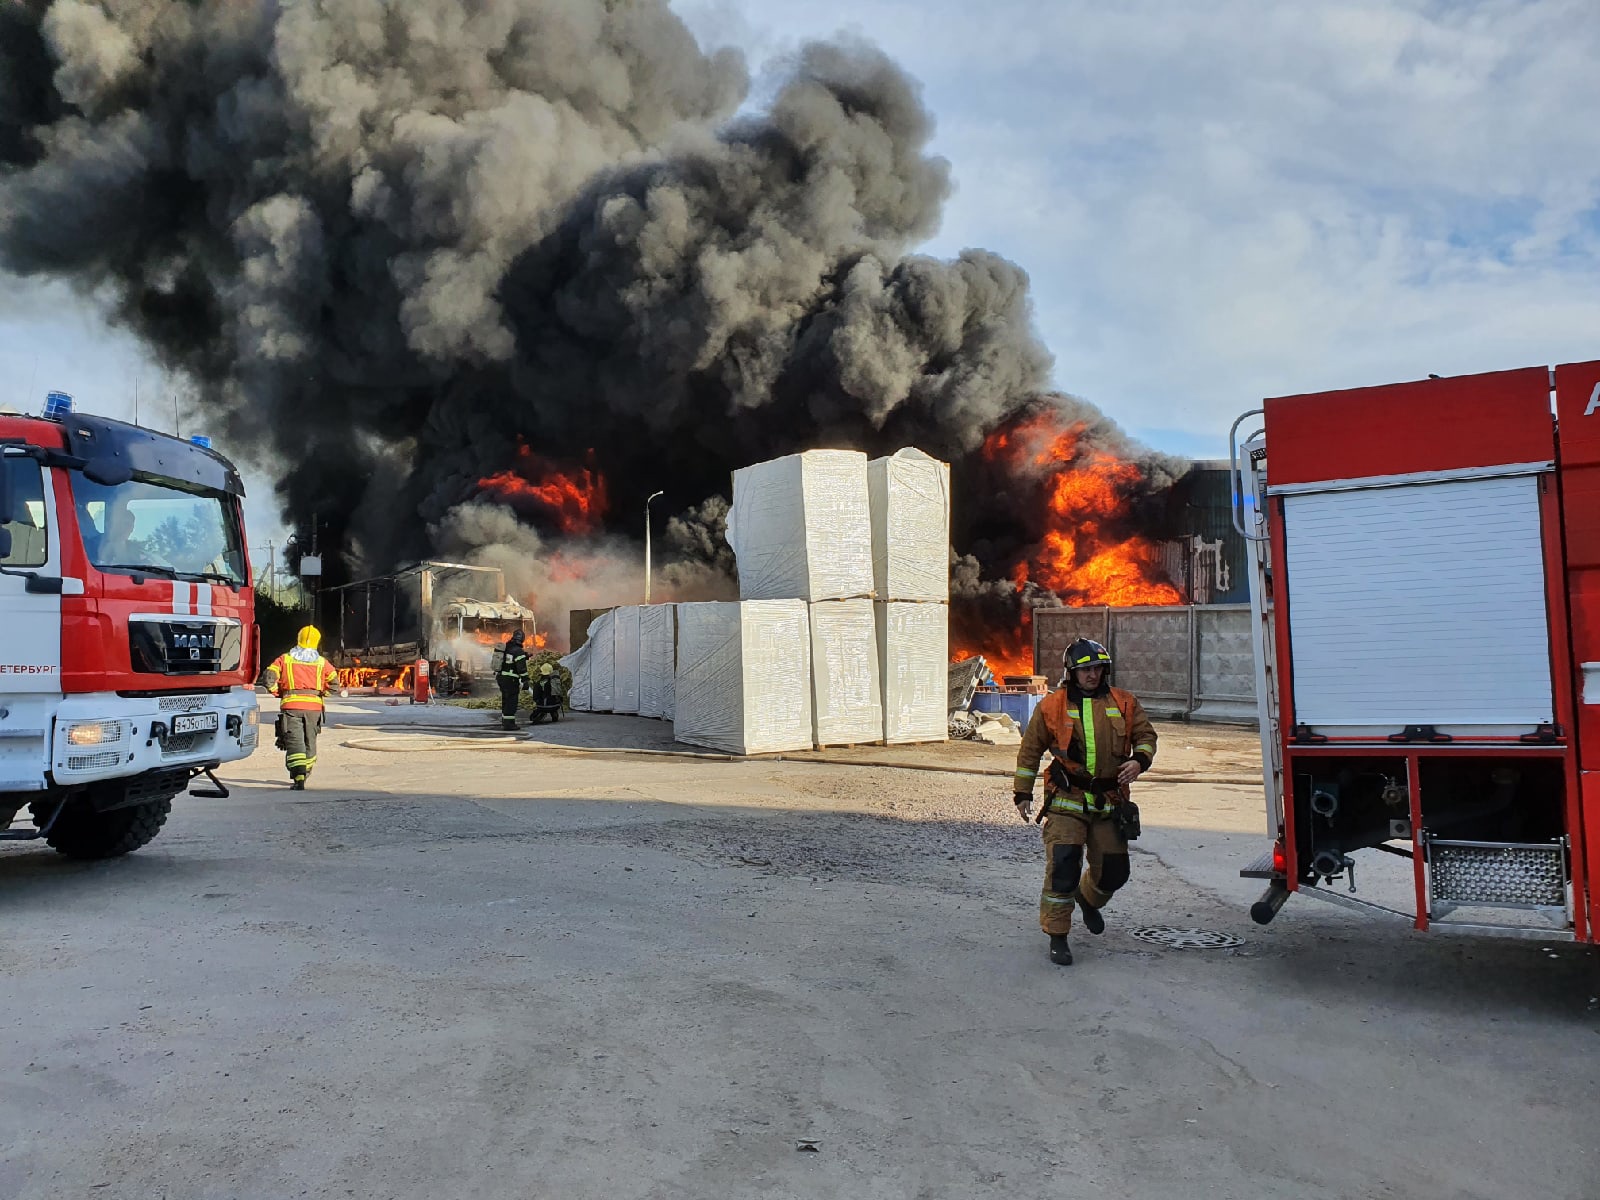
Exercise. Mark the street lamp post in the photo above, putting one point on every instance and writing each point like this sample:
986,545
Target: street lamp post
647,547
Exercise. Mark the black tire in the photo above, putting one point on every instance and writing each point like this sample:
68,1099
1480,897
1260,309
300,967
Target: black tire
81,832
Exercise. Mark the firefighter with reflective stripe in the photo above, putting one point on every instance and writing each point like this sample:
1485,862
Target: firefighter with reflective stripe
1100,741
300,679
512,677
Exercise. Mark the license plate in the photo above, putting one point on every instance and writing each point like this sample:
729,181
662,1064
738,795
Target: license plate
195,723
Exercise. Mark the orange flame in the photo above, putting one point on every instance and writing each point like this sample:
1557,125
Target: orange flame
1087,556
575,500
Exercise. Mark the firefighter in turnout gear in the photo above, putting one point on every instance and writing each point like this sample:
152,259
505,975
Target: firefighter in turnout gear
512,677
300,679
1100,741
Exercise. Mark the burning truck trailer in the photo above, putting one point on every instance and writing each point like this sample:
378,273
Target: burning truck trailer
450,615
1425,602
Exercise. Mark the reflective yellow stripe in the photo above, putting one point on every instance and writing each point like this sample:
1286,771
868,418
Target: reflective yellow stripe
1086,719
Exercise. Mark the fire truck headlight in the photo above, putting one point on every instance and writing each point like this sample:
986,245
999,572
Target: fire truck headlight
253,715
94,733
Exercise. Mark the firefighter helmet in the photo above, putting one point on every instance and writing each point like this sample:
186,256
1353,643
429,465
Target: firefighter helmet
547,669
310,638
1085,653
516,638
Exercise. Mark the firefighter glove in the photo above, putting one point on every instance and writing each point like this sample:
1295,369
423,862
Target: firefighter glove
1024,803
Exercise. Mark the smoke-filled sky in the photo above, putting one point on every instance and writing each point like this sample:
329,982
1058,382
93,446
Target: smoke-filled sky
1212,205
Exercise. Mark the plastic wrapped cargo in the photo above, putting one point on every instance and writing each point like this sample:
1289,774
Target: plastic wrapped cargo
913,648
910,498
581,697
847,702
744,676
658,659
625,659
801,527
602,666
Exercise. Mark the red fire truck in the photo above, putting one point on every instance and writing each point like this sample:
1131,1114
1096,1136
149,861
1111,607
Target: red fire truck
127,646
1426,599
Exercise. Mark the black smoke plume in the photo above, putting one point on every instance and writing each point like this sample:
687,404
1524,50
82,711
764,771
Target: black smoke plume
399,247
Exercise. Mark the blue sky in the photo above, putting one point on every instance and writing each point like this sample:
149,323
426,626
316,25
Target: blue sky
1215,202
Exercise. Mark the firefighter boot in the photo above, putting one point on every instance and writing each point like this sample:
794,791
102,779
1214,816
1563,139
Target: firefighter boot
1092,920
508,724
297,783
1060,953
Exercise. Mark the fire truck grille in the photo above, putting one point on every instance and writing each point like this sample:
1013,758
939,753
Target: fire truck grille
90,762
180,743
1500,874
183,703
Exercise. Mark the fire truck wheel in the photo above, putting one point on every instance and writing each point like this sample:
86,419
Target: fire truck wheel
81,832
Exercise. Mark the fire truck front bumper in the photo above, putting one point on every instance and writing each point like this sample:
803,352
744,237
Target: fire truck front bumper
102,735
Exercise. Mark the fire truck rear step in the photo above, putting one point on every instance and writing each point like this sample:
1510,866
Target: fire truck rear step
1261,868
1506,875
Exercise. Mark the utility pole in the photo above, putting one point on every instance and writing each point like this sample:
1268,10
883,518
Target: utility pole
176,432
272,571
647,547
136,404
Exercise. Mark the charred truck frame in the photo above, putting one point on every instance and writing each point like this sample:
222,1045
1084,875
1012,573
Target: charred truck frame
453,615
1425,587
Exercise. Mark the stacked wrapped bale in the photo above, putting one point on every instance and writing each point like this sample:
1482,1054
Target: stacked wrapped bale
744,676
602,673
581,697
658,659
846,690
910,514
914,649
801,527
625,659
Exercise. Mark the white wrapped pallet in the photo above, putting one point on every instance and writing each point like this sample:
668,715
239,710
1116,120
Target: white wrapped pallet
581,697
602,667
914,649
744,676
658,659
625,659
801,527
847,700
910,497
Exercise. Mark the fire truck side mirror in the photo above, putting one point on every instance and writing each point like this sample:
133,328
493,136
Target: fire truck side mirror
107,471
5,542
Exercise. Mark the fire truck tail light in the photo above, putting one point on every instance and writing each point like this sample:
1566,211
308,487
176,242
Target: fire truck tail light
1280,860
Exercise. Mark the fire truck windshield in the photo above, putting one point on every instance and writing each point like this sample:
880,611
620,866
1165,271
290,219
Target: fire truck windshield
161,527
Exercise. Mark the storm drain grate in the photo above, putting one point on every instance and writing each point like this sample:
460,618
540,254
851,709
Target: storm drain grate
1187,939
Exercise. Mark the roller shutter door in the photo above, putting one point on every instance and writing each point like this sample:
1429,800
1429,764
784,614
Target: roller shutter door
1419,604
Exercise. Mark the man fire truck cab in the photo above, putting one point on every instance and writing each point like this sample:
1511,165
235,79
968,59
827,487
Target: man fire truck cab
128,646
1425,594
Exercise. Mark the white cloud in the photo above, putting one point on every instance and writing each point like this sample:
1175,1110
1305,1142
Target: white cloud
1223,201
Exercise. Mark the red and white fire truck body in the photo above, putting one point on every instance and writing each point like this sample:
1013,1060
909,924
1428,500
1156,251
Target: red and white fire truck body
1426,595
127,632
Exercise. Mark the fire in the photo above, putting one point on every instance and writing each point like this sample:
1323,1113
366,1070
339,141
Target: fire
376,678
1087,555
574,499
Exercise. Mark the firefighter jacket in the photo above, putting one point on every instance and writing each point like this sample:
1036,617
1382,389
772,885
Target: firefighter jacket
300,679
1092,736
514,665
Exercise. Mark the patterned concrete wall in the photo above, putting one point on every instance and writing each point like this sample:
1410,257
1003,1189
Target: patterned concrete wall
1194,660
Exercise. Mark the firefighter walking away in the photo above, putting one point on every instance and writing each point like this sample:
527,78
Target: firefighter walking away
512,677
1100,741
300,679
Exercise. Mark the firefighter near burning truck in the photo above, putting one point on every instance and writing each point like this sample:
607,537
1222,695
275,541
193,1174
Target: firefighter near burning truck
128,652
1425,599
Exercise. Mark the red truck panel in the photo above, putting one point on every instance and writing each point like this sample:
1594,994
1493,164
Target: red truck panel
1409,428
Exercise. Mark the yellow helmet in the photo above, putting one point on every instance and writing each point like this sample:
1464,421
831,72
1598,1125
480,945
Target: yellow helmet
310,638
547,669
